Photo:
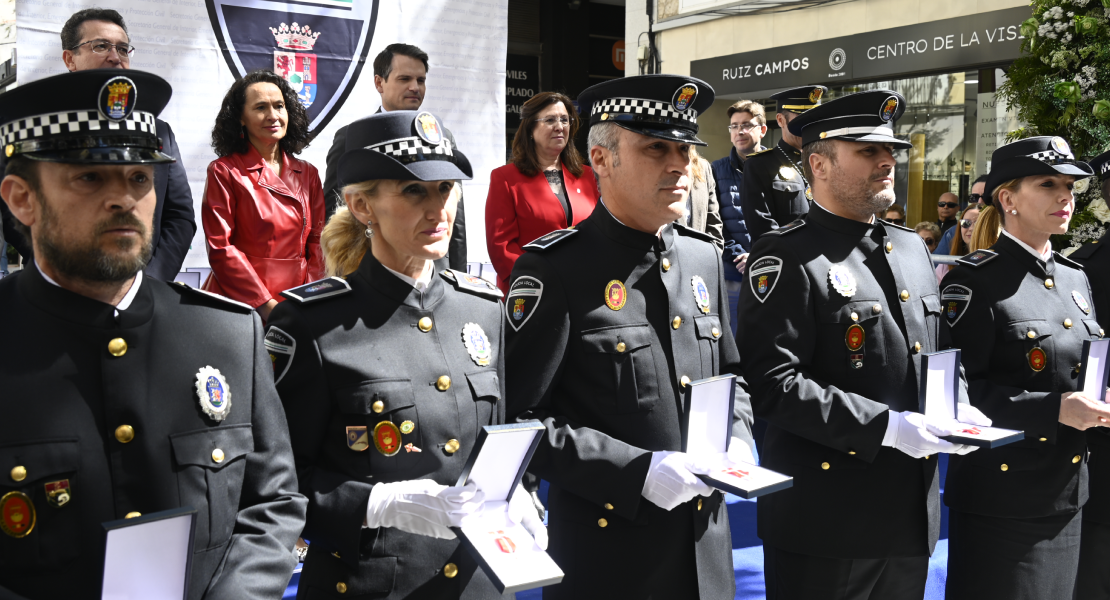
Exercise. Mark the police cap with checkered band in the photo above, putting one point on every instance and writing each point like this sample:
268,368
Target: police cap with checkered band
661,106
1101,165
860,117
1041,155
403,145
101,116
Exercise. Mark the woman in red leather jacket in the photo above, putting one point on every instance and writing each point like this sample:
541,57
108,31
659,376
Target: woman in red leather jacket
545,188
263,208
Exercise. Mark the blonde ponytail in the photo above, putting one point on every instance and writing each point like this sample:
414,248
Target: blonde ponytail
344,240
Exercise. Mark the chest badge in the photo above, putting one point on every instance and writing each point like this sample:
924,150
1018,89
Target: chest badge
214,393
701,293
58,493
842,280
357,438
407,427
1081,302
1037,359
17,514
787,173
477,344
387,438
615,294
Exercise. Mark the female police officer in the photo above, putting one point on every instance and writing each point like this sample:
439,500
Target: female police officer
1021,313
388,371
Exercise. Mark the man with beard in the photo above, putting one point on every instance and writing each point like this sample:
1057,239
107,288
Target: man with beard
125,395
609,322
841,308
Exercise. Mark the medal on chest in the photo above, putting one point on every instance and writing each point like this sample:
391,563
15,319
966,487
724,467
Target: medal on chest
1081,302
477,344
58,493
17,514
615,295
357,438
1037,359
701,293
842,280
214,393
387,438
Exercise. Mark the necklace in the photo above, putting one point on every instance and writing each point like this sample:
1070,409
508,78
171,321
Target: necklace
798,170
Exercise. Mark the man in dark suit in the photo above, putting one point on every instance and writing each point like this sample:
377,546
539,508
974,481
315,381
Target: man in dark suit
400,72
608,323
96,38
840,308
125,395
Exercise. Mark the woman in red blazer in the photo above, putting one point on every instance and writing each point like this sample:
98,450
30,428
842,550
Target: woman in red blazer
545,188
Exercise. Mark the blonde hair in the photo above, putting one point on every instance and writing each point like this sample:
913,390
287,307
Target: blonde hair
344,240
987,229
695,164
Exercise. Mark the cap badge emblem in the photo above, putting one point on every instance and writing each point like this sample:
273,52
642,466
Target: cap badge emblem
117,98
815,95
1061,146
427,127
684,97
890,106
214,394
615,295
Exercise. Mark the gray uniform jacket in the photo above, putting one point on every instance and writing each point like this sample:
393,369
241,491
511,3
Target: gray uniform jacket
346,362
111,408
809,285
608,383
1010,313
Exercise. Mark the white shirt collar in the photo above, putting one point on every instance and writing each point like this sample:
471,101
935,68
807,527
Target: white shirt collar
1043,257
124,304
420,283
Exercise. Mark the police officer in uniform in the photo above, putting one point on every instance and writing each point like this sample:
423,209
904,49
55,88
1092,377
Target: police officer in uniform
776,191
840,309
388,373
1093,581
608,323
1021,314
125,395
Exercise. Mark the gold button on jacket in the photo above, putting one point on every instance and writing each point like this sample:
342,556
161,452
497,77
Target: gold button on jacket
1076,458
452,446
666,265
450,570
19,473
117,347
425,324
341,587
217,456
378,406
443,383
676,322
125,433
825,466
132,515
602,522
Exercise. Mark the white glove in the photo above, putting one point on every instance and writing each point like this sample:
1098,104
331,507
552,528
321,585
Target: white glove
971,415
671,481
422,506
522,509
913,434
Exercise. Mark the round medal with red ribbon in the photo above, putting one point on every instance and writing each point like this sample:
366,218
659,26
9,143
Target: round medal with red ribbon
1037,359
17,514
387,438
855,337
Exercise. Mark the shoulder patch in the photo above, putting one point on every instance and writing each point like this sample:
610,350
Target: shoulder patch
1086,251
227,302
763,274
694,233
524,296
471,283
978,258
954,301
318,290
280,346
1066,260
546,241
789,227
897,226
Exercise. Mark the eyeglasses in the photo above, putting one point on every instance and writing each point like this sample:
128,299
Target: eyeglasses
744,128
967,223
948,204
125,51
929,241
974,198
551,121
896,221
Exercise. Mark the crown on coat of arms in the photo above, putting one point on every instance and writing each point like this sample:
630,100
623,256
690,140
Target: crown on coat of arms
295,37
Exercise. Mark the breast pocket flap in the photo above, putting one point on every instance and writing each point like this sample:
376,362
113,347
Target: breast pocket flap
1033,329
394,394
617,340
485,384
41,459
1092,328
708,327
857,311
212,448
932,303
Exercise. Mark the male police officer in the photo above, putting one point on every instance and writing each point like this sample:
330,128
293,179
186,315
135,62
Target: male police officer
1093,580
840,310
608,323
776,190
124,395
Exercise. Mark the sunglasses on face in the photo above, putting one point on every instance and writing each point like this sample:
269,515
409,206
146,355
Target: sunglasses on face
897,221
967,223
929,241
974,198
948,204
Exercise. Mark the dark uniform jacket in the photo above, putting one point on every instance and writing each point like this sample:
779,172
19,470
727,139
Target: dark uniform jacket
1001,305
827,404
1097,267
770,200
174,221
608,386
69,404
362,357
729,173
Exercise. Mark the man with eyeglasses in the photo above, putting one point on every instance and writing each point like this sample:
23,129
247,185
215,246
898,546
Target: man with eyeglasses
947,206
975,197
96,38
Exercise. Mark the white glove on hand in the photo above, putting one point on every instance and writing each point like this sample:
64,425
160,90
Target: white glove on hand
913,434
671,481
422,506
522,509
971,415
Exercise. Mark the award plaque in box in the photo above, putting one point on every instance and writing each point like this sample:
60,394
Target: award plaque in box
506,551
1094,370
706,432
940,394
149,556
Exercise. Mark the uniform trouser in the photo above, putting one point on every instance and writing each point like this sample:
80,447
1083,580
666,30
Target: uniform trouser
1015,559
1093,580
792,576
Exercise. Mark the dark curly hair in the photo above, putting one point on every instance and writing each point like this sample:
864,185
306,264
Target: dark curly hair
228,136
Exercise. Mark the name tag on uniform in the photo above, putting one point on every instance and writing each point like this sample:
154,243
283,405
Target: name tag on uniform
940,391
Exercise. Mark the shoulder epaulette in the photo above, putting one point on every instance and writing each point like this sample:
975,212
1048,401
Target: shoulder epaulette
763,151
690,231
469,283
546,241
228,302
318,290
1067,261
785,229
1086,250
897,226
977,258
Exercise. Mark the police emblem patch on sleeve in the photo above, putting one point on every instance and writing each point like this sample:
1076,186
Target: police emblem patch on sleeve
214,394
763,274
524,296
281,346
954,300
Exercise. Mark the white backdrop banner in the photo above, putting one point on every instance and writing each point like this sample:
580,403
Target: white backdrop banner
325,48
